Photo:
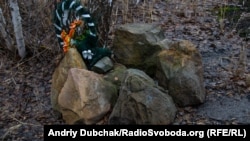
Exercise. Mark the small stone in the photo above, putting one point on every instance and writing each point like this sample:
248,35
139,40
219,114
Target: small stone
103,66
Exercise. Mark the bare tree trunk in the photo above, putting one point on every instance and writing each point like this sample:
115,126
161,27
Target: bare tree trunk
16,20
8,40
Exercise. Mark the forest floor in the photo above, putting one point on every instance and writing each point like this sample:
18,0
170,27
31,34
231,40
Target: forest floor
25,85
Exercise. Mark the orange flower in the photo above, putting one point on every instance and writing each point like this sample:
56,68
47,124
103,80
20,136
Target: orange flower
72,32
63,34
67,37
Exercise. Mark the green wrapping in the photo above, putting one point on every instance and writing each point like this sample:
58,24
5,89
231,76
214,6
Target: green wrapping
96,53
85,38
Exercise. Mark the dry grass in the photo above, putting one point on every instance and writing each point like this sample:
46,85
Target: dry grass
37,24
38,27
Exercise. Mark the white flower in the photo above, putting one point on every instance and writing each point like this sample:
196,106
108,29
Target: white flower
87,54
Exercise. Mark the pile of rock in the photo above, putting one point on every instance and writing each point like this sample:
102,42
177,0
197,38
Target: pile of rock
149,78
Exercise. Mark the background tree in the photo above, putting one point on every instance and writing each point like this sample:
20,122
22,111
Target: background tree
8,40
27,25
18,30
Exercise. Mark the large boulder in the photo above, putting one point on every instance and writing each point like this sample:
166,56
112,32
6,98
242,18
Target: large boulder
135,44
180,70
142,102
86,97
116,75
72,59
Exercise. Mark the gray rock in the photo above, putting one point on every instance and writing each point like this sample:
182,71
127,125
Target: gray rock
180,71
103,65
142,102
135,44
116,75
